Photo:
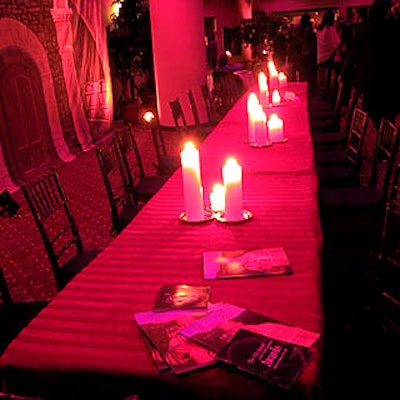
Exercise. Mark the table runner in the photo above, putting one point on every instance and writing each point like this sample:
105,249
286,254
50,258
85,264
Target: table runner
86,338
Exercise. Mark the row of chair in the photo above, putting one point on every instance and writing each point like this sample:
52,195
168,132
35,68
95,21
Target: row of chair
227,89
359,170
128,187
198,129
126,184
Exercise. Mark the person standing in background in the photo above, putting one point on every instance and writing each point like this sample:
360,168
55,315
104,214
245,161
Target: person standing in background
304,42
328,42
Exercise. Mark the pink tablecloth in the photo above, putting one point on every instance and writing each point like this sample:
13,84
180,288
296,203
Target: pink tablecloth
86,339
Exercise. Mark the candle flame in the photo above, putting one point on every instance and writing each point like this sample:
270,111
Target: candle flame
273,117
148,116
189,146
217,197
272,68
252,100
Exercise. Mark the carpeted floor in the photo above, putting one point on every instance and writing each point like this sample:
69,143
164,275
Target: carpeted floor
24,261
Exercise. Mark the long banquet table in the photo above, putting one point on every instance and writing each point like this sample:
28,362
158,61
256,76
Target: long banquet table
86,339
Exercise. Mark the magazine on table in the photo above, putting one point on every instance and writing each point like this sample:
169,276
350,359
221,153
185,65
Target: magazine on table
176,297
156,356
217,328
278,362
179,352
245,263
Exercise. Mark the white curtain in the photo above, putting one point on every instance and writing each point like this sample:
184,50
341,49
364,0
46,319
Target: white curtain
88,22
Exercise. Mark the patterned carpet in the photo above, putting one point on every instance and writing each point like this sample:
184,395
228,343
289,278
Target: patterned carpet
24,261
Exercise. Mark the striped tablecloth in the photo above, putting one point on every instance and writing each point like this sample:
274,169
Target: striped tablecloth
86,339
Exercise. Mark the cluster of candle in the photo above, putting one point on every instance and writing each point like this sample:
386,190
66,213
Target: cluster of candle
226,198
262,131
281,81
275,78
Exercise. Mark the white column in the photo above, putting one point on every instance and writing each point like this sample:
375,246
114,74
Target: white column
179,55
62,22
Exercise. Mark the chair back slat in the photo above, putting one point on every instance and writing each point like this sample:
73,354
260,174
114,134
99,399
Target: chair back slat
130,155
355,138
177,113
193,107
389,251
119,188
384,157
208,102
54,219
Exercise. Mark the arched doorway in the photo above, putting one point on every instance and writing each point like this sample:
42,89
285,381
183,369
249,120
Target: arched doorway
24,128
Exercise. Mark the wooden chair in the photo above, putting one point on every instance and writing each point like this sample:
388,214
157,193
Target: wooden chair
178,114
203,128
333,141
209,102
389,256
166,163
328,119
121,197
55,221
361,208
193,107
142,186
342,166
228,88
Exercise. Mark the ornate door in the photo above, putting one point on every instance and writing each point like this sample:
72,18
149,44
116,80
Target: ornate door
25,133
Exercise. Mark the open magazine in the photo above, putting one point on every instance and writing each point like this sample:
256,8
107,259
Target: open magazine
179,352
217,328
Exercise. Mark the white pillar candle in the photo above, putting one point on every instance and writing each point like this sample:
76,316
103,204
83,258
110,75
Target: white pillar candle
273,75
232,179
260,128
275,128
263,88
276,98
282,79
192,187
217,198
252,103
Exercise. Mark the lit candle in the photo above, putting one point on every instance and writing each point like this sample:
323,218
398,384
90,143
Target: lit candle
263,88
260,128
276,98
275,128
217,198
282,79
252,103
273,74
193,191
232,178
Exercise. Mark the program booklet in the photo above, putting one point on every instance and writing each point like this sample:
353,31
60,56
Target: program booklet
217,328
177,297
180,353
245,263
156,356
278,362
